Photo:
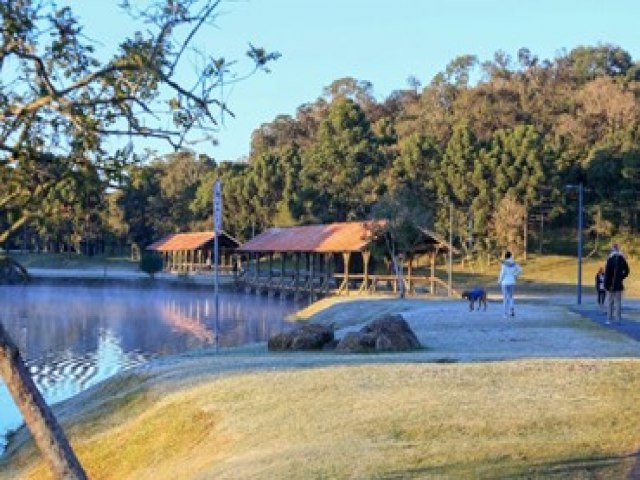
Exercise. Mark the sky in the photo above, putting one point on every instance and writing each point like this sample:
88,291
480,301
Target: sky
381,41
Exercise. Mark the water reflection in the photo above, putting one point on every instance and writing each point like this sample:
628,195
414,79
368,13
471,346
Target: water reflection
74,337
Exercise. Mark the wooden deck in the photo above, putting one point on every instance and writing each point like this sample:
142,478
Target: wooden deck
305,284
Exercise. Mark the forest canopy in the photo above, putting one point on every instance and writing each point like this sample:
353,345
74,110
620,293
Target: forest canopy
498,139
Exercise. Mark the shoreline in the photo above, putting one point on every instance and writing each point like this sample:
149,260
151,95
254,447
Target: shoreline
126,278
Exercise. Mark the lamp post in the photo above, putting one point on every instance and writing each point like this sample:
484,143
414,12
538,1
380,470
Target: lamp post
580,188
450,266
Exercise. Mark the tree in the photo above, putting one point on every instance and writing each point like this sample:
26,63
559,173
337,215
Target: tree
340,171
143,208
398,219
60,102
508,224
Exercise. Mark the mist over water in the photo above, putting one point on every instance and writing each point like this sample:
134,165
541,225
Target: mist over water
74,337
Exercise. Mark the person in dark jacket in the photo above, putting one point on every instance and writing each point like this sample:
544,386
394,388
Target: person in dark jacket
615,271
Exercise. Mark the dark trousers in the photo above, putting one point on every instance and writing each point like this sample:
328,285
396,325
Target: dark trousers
601,296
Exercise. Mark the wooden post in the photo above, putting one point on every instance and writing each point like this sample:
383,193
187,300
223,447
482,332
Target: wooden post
432,288
39,418
310,274
327,269
297,276
283,265
346,256
366,256
270,285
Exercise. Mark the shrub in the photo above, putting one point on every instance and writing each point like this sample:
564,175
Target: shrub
151,263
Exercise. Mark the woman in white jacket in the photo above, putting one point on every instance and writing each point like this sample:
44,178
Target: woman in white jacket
508,275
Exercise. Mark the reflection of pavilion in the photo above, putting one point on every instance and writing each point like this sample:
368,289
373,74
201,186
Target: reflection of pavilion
179,319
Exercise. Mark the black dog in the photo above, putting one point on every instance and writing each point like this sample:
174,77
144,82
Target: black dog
477,294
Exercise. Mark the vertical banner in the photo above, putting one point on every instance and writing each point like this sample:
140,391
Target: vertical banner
217,228
217,206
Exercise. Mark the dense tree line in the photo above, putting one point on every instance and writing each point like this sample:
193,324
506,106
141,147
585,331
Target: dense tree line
501,149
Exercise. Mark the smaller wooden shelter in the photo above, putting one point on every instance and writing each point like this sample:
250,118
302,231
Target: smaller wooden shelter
193,251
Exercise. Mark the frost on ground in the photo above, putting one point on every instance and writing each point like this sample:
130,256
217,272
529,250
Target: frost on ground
448,331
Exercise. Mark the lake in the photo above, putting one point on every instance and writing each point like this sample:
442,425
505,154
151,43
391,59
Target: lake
73,337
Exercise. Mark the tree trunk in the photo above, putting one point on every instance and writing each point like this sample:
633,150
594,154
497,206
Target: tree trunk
397,267
39,418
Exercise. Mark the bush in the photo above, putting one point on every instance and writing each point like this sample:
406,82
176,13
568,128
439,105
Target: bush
151,263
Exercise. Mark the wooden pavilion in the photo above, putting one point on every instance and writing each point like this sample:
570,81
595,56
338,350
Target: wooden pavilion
335,258
191,252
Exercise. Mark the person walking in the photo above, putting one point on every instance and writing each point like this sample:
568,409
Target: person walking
509,272
615,271
600,290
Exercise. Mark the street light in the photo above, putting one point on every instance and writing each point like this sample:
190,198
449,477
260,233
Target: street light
450,266
580,188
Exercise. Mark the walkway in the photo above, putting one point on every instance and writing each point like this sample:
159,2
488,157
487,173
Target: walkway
630,324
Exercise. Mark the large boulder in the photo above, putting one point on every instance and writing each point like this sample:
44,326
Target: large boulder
390,333
307,337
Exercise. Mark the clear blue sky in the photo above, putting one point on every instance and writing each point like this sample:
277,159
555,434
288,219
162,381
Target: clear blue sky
383,42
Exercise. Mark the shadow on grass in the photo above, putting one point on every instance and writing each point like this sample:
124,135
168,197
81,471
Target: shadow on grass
465,280
603,468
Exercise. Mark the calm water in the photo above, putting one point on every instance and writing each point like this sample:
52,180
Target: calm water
75,337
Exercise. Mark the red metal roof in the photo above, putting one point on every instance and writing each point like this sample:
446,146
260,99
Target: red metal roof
186,241
334,237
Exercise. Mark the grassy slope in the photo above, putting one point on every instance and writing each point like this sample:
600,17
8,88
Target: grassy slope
548,273
485,420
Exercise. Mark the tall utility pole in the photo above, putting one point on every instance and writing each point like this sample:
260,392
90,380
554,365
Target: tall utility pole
580,208
580,188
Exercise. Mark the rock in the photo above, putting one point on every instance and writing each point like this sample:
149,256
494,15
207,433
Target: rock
307,337
355,342
12,272
279,342
390,333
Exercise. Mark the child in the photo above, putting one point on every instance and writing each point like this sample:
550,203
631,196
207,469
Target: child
602,293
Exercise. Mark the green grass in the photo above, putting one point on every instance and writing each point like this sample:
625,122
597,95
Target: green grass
72,260
519,419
